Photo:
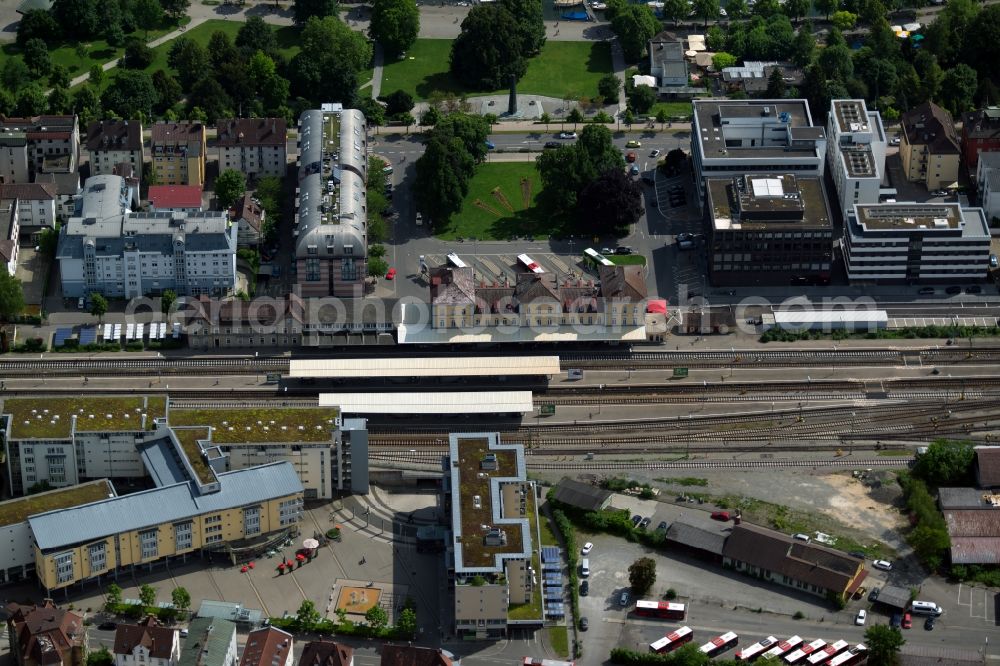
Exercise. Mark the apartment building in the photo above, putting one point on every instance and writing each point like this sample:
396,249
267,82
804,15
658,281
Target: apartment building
174,198
492,564
855,153
538,300
331,237
113,142
980,134
253,146
250,216
769,229
737,137
268,647
211,641
106,248
916,243
929,147
988,184
178,152
36,203
326,653
147,643
29,146
45,635
10,234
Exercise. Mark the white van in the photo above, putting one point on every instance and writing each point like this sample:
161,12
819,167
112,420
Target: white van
585,567
926,608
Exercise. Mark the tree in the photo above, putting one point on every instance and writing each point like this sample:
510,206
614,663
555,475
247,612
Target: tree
256,35
148,14
766,8
307,9
707,10
946,463
958,88
229,186
209,96
567,170
113,593
59,76
169,90
60,101
176,9
472,130
722,60
775,85
326,70
114,34
137,54
221,50
147,593
431,117
11,297
167,300
736,9
642,575
803,46
796,9
883,644
827,7
31,101
87,104
36,57
487,53
406,623
130,94
545,119
397,102
675,10
635,25
376,617
844,20
101,657
77,17
610,204
98,308
442,179
37,24
180,597
836,62
307,616
395,25
528,16
662,117
96,75
608,87
642,99
190,59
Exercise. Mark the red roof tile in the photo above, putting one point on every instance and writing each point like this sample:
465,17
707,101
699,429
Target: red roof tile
175,196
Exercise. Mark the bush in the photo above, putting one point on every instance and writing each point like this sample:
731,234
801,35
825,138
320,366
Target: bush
798,615
670,594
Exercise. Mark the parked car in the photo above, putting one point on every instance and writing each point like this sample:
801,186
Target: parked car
645,522
636,520
390,274
623,249
552,144
685,236
895,620
907,621
633,144
490,145
939,193
993,261
926,291
873,595
718,515
953,290
587,547
655,153
929,623
567,135
801,537
859,593
630,156
107,626
584,588
884,565
607,250
80,303
894,141
662,526
861,617
860,554
584,624
633,170
624,599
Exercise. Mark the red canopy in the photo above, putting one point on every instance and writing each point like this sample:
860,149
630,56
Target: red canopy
657,306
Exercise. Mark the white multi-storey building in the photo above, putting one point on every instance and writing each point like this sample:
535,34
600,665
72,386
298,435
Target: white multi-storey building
736,137
113,142
855,153
106,248
988,183
914,242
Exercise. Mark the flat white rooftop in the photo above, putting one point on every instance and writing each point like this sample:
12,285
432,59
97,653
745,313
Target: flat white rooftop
795,317
468,402
461,366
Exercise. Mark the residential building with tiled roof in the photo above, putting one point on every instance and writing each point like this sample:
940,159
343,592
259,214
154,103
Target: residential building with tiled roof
249,215
268,647
36,203
980,134
178,153
253,146
147,643
45,635
929,147
29,146
174,198
780,559
414,655
110,142
211,641
326,653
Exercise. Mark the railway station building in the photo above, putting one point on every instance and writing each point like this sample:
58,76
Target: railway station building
494,567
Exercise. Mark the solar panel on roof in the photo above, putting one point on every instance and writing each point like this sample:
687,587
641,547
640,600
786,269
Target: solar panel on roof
61,336
88,334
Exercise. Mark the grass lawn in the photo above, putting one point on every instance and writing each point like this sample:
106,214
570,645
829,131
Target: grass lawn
562,69
559,639
545,528
673,109
494,185
627,260
96,52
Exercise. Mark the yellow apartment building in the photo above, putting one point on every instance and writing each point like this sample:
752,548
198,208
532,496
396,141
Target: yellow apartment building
178,152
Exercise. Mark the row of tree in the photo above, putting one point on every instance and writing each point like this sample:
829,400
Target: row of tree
453,148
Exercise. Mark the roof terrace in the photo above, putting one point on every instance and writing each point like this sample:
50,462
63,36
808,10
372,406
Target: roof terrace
52,418
896,217
188,438
17,510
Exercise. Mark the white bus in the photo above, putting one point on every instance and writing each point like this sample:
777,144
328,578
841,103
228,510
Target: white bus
827,653
530,264
804,651
852,656
672,641
455,261
720,644
784,646
755,650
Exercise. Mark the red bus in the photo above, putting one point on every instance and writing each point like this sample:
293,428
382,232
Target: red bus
720,644
827,653
784,646
672,641
530,263
663,609
852,656
755,650
804,651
